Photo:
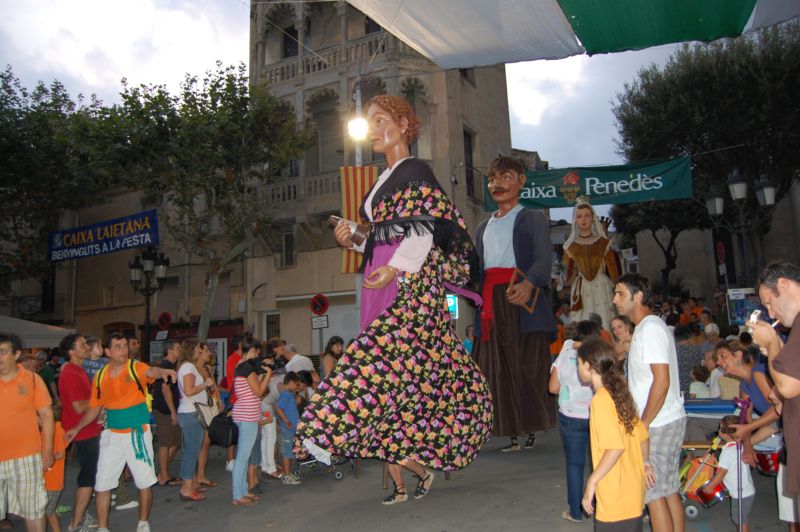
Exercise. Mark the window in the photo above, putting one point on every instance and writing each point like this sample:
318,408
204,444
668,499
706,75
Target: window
108,296
467,74
469,170
289,42
294,168
272,325
287,254
370,26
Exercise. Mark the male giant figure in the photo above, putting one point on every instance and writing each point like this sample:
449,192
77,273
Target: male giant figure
512,341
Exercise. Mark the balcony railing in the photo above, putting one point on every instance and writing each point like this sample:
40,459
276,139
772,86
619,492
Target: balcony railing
364,48
317,191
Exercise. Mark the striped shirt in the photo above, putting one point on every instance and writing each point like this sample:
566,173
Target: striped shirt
248,405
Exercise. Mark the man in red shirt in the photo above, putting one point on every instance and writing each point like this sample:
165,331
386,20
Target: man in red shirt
75,390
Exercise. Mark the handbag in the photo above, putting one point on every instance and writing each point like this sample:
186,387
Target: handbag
206,412
222,430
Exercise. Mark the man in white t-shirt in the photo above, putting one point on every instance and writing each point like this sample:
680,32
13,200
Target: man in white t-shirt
296,362
654,385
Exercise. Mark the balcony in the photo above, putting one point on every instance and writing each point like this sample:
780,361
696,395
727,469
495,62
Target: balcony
305,195
364,49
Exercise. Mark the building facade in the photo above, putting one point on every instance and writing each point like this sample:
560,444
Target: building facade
316,57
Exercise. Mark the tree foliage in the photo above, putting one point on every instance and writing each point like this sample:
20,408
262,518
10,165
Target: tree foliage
205,154
730,104
53,160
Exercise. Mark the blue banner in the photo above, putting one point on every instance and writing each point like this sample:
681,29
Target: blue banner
134,231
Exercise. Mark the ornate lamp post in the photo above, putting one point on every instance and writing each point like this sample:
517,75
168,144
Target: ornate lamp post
146,272
737,188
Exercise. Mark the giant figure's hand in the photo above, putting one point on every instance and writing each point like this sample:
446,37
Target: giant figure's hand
520,293
380,277
342,233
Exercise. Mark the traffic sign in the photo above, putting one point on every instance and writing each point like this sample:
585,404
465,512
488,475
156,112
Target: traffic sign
319,322
319,304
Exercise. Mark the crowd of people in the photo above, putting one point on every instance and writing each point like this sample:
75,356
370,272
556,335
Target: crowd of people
407,391
661,364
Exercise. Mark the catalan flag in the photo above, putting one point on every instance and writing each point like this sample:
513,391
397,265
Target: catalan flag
356,182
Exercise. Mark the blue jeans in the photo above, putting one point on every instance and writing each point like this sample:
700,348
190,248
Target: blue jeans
191,440
248,430
575,439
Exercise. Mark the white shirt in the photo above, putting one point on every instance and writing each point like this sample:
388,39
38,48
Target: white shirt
299,363
412,251
498,240
186,405
728,461
573,396
713,383
652,343
699,390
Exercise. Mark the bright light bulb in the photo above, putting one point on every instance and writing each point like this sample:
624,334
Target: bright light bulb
357,129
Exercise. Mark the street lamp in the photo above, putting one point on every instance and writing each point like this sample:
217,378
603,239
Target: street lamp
737,188
146,272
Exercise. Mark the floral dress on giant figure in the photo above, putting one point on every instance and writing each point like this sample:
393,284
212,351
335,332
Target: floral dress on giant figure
405,391
592,266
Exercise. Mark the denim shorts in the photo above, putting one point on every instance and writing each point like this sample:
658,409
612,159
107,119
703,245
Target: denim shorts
286,443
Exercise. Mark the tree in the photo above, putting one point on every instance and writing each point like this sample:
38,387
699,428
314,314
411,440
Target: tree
205,154
730,104
52,161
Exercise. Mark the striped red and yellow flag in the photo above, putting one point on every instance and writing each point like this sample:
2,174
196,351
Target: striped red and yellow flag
356,182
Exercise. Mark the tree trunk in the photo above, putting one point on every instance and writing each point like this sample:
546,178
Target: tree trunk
208,304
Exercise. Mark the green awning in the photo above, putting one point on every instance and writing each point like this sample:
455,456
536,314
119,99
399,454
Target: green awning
612,25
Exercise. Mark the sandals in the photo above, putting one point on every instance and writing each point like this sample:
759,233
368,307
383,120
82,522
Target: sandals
174,481
194,496
424,485
208,483
530,442
399,495
244,501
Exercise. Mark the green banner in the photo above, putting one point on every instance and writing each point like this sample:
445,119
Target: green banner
603,185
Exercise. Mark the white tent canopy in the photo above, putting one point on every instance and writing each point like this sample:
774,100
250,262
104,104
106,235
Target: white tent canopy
469,33
33,334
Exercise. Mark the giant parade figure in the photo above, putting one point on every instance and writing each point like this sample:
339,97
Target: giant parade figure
515,324
406,391
592,266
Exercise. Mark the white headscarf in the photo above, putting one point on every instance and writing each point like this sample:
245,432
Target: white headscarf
597,227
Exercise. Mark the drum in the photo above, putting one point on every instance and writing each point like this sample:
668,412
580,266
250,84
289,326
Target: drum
718,493
767,454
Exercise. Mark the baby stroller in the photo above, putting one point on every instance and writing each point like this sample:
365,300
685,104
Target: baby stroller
315,465
694,475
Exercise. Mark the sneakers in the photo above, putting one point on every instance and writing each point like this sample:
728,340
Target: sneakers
565,515
80,527
530,442
424,485
143,526
290,479
229,466
128,505
90,522
62,509
399,495
511,447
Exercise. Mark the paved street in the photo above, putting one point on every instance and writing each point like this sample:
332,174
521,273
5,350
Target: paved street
505,492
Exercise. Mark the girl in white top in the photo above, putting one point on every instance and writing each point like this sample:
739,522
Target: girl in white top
573,414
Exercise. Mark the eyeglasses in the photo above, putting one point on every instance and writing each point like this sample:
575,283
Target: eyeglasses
6,351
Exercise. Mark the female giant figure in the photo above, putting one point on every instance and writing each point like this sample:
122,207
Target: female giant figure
405,391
